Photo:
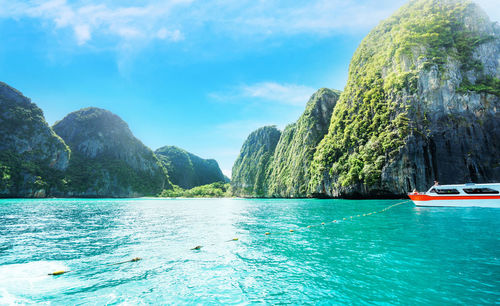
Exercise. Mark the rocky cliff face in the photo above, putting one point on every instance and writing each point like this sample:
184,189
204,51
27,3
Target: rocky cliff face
250,169
289,175
421,103
32,156
187,170
107,160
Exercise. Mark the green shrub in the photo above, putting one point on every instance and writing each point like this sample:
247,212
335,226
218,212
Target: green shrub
214,190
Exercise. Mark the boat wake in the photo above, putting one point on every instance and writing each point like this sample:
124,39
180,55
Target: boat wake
19,283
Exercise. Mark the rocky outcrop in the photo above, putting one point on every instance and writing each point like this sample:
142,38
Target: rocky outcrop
107,160
289,173
32,156
187,170
421,104
249,172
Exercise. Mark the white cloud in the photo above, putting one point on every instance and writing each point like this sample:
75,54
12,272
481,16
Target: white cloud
162,33
322,17
173,20
176,35
89,20
283,93
288,94
82,33
127,32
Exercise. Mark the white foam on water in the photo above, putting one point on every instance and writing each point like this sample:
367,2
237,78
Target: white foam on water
8,299
30,280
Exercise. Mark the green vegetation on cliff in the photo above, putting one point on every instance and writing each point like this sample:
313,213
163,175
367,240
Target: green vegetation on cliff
32,156
107,159
187,170
486,84
107,176
214,190
288,174
373,117
249,172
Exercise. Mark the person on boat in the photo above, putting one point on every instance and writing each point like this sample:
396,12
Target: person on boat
436,183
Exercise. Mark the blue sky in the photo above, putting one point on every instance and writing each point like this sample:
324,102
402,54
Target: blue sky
200,75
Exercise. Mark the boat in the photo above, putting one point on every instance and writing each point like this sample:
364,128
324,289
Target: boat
466,195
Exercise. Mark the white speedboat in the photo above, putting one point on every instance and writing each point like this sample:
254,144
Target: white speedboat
483,195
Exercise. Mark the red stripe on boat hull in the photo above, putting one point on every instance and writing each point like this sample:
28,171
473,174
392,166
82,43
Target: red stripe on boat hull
424,197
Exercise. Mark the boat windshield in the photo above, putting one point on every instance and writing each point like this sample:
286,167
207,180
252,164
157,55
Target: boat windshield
480,191
444,191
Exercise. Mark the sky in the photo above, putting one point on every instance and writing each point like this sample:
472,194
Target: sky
200,75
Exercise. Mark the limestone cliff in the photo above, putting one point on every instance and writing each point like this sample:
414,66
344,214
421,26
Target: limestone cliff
289,170
107,160
249,172
187,170
421,103
32,156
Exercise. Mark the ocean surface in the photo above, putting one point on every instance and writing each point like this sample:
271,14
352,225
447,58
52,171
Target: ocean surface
403,255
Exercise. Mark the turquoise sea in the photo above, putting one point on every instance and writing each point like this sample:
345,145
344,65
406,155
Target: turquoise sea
404,255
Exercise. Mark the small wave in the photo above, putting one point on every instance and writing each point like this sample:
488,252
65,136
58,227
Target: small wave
8,299
20,282
29,271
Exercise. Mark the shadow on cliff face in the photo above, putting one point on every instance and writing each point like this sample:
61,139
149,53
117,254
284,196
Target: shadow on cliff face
466,149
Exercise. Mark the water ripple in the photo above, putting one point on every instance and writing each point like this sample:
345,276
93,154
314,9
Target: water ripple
405,255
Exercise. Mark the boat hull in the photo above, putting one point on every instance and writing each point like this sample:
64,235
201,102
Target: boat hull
460,203
456,201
